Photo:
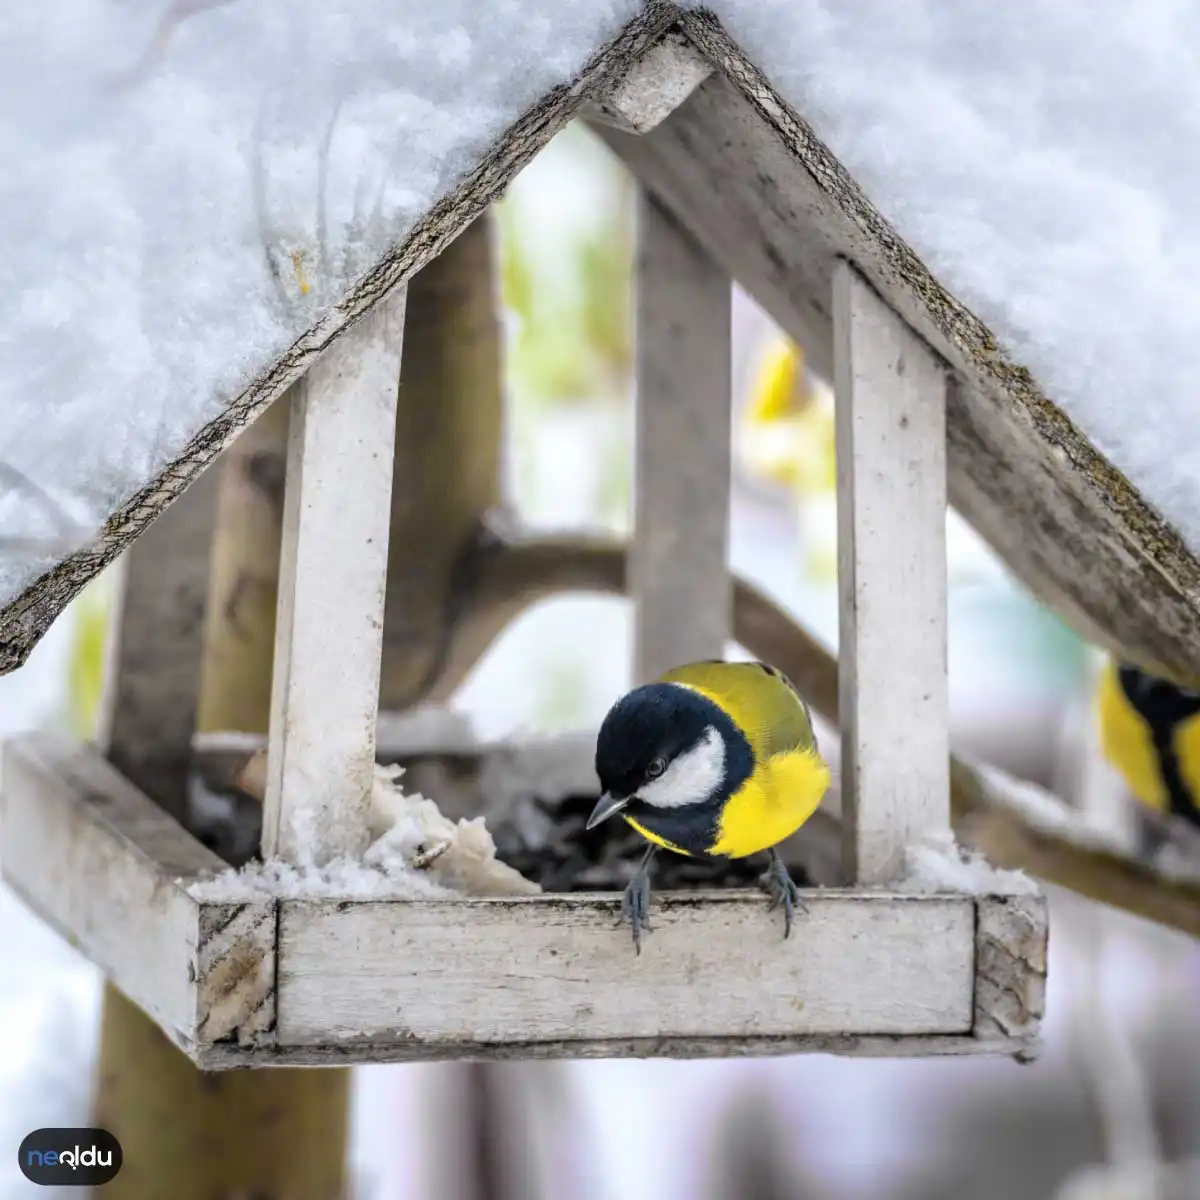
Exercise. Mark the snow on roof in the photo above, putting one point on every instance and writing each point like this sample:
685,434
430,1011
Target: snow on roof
150,163
184,197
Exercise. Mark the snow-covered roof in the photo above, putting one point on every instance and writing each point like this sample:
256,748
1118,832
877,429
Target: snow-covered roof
201,193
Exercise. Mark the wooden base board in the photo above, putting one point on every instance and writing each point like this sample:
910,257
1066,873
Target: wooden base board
281,981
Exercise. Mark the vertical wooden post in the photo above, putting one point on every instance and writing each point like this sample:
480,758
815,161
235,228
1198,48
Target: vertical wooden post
891,466
678,570
332,578
155,651
446,473
187,1134
239,636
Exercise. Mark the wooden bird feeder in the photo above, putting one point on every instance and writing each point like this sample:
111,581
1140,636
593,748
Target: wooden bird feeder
871,969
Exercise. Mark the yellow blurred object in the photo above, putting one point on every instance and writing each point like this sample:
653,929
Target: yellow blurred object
787,434
1150,732
85,667
775,395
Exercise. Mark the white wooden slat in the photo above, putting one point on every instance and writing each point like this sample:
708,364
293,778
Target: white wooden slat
678,568
100,862
155,652
716,966
329,635
891,452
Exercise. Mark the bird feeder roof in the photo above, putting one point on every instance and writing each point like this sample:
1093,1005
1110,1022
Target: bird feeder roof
197,207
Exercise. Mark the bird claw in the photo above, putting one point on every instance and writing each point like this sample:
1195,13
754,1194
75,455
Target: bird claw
635,904
782,890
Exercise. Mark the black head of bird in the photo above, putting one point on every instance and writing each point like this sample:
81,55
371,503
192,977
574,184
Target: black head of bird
667,756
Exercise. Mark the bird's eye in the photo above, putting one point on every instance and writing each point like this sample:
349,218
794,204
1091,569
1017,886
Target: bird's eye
656,768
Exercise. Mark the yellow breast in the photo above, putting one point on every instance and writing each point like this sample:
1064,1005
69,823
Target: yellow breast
1187,747
773,803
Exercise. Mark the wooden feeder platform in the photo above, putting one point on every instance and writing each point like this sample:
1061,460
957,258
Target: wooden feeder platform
276,981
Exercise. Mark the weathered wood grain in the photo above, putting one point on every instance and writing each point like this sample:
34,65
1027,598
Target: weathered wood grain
747,174
100,862
25,619
891,481
678,567
654,87
155,652
332,581
1010,948
235,972
717,965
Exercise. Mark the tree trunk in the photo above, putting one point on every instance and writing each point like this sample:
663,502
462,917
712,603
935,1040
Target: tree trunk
277,1134
273,1134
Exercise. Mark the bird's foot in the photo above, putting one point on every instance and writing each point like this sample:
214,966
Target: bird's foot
635,903
779,885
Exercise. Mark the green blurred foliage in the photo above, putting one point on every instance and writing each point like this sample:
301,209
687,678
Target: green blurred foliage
566,275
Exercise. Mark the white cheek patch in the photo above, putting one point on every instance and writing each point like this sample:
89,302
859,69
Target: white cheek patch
692,777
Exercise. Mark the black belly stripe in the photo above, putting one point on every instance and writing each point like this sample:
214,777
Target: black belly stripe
1168,765
1164,708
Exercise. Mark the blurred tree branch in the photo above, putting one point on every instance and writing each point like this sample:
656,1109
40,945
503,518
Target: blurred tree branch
1014,825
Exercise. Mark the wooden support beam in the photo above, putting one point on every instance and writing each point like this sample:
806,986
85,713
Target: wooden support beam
333,573
891,465
679,574
448,451
726,177
243,589
156,643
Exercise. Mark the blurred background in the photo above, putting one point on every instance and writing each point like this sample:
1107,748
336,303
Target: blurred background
1122,1030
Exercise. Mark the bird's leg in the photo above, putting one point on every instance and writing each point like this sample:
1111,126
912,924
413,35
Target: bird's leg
782,890
635,903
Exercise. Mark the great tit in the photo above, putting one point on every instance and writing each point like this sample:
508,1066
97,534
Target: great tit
1150,732
714,759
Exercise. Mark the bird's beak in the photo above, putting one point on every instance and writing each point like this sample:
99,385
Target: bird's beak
606,806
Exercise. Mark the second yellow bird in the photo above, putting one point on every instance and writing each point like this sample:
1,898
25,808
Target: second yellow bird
1150,732
714,759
